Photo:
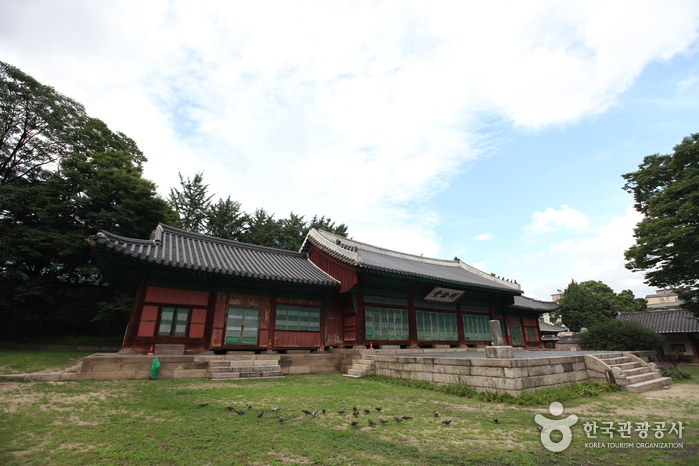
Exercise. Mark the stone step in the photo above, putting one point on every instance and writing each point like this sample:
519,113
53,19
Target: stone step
219,363
225,375
248,375
351,376
636,371
247,378
616,361
361,367
256,368
642,377
648,385
356,372
367,362
628,365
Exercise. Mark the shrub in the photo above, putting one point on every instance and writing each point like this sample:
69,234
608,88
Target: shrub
668,370
616,335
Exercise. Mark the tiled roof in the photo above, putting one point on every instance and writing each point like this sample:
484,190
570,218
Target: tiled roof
371,257
664,321
522,302
182,249
544,327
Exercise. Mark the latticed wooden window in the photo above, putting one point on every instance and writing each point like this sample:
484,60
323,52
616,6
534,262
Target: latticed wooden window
436,326
173,322
531,333
305,319
381,323
476,328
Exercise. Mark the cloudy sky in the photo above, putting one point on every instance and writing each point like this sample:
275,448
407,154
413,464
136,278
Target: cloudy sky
492,131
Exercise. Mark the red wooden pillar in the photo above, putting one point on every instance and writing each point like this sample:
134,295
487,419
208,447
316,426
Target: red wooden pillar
135,320
323,312
359,325
460,325
412,322
272,321
210,311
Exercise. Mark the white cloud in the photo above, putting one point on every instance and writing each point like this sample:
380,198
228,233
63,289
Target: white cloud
359,110
484,237
599,256
551,220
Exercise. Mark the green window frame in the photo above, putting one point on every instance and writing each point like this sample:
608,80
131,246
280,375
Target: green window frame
515,335
531,333
432,326
297,318
174,322
382,323
477,328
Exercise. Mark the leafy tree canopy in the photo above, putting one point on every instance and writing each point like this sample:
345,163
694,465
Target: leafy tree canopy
617,335
225,219
38,125
666,192
588,303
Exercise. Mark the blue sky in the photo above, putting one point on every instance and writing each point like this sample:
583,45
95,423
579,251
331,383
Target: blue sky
494,132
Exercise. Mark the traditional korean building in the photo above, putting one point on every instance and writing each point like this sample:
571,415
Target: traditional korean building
218,295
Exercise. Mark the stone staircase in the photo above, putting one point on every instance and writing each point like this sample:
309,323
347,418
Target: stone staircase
631,373
245,367
361,367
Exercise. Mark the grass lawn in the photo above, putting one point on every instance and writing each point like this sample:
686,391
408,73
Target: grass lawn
16,361
161,422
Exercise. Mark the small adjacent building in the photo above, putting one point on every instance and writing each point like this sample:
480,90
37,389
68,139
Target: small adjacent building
680,328
211,294
663,300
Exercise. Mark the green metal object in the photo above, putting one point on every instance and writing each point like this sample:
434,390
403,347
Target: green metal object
154,369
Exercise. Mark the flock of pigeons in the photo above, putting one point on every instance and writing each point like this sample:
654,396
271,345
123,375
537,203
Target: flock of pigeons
355,413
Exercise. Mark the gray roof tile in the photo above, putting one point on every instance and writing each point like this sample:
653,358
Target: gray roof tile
374,258
182,249
664,321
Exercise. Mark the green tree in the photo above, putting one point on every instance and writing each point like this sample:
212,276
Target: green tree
37,125
617,335
583,307
192,203
225,220
666,192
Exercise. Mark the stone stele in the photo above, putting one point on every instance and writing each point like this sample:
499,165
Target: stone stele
498,348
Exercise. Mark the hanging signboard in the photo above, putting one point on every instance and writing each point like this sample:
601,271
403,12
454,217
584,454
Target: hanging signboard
443,295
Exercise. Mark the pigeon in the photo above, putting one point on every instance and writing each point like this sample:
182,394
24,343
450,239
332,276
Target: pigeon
239,413
372,423
314,413
366,411
203,404
249,406
230,408
322,411
281,418
355,414
354,408
378,409
305,411
382,421
276,410
407,418
496,420
353,424
260,414
447,422
436,414
397,419
342,411
540,428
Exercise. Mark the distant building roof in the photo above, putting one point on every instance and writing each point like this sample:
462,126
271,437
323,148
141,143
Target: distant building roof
370,257
185,250
523,302
664,321
544,327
